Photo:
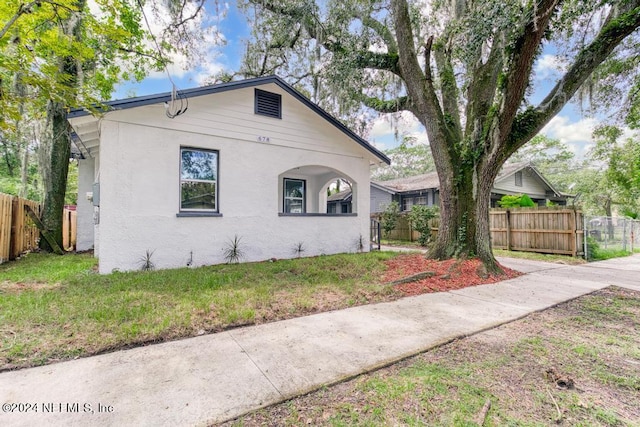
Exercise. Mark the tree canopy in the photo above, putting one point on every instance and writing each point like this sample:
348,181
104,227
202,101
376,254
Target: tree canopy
464,69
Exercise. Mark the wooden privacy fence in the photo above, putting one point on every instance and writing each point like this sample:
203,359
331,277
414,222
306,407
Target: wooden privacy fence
544,230
550,231
19,233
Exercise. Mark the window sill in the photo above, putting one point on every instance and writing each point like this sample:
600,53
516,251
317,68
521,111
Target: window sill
317,214
197,214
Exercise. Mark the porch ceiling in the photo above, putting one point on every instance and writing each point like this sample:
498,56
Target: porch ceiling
86,135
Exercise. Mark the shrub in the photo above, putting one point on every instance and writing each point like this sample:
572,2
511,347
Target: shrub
519,201
389,218
526,202
508,201
420,217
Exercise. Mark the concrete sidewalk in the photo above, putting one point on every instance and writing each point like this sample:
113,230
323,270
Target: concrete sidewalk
203,380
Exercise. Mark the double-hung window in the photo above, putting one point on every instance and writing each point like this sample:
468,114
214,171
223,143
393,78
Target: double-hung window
294,196
198,180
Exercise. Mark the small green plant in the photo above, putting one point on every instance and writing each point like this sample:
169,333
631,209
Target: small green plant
592,249
526,202
233,253
420,217
389,218
520,201
298,249
145,262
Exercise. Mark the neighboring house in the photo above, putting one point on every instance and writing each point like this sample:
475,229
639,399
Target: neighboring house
340,202
252,159
517,178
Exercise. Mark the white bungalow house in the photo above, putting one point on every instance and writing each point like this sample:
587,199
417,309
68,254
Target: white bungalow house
513,179
251,159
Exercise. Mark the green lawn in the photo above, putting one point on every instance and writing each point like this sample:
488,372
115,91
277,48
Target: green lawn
57,307
519,368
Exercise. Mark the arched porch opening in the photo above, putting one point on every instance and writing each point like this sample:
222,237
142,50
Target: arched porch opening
304,190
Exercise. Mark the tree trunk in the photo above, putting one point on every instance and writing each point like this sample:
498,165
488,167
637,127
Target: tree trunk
61,141
465,199
24,174
59,169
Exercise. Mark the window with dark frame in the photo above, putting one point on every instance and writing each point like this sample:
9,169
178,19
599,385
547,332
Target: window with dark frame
519,179
407,203
268,104
294,196
198,180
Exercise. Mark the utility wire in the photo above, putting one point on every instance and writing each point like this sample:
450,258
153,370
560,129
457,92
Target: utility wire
179,103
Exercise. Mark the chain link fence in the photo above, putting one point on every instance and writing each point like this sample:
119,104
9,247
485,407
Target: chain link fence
611,233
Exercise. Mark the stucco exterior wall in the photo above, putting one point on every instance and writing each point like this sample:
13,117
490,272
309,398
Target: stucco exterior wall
140,190
85,223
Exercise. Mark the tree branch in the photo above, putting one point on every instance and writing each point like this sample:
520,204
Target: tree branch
482,90
449,90
420,89
521,64
183,20
315,29
387,106
620,24
382,30
22,10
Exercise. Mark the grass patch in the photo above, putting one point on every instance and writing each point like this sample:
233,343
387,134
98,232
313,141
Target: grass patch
601,254
534,256
517,367
56,307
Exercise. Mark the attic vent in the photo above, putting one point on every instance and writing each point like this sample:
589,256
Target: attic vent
268,104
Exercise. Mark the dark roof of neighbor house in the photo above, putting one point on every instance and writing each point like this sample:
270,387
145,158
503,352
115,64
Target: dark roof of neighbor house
430,180
411,183
123,104
342,196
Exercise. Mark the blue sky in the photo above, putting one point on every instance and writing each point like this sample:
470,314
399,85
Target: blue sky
569,126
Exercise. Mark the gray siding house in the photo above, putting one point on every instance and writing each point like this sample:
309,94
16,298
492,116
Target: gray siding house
513,179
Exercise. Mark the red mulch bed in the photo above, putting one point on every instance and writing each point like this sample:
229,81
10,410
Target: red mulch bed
449,274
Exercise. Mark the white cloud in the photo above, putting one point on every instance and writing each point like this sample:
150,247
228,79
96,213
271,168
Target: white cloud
561,127
204,53
404,124
576,134
549,66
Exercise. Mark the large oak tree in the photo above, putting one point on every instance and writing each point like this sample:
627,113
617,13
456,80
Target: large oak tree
463,68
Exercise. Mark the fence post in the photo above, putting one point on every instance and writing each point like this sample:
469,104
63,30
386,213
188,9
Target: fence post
508,220
585,234
574,228
17,228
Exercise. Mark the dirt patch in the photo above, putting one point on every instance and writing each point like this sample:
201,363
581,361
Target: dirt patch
447,275
15,288
574,364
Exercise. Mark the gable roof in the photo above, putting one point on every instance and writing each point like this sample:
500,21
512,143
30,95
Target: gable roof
411,183
431,180
511,168
159,98
342,196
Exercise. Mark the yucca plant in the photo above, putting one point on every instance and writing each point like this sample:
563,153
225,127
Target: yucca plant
233,252
145,262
